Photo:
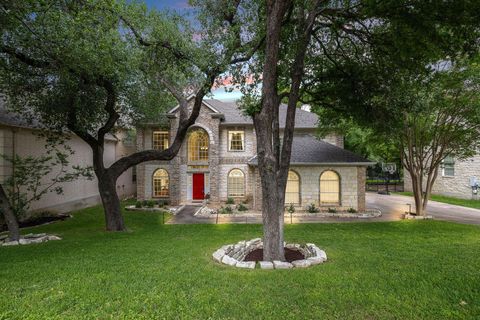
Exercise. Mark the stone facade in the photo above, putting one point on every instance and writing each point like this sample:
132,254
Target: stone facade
221,161
457,185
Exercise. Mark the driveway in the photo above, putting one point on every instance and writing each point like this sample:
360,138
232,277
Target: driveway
393,206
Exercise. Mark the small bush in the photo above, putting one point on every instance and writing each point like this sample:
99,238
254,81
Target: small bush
311,208
162,203
290,208
225,210
144,203
332,210
150,204
351,210
138,204
241,207
230,201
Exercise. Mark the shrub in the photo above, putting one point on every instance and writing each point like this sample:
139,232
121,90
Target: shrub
144,203
332,210
351,210
225,210
138,204
290,208
241,207
162,203
150,204
311,208
230,201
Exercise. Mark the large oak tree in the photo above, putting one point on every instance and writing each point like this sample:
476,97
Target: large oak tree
308,43
89,66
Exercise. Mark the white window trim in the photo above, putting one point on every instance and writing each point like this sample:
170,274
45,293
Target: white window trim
229,140
443,169
229,189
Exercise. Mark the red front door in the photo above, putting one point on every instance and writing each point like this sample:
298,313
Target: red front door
198,186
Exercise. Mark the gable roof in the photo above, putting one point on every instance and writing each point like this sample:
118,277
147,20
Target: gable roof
308,150
232,115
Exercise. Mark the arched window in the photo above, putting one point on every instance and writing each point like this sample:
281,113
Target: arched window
292,192
329,188
198,145
236,183
161,184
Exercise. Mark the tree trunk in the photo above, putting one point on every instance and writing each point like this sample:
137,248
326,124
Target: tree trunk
111,203
417,193
273,218
10,218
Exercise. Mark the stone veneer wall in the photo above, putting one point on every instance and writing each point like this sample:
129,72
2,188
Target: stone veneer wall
352,186
221,161
361,183
457,186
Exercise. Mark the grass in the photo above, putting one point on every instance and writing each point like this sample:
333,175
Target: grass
470,203
398,270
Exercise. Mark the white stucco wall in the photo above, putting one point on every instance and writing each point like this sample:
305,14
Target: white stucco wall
76,194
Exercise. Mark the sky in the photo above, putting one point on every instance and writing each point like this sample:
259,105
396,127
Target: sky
167,4
182,6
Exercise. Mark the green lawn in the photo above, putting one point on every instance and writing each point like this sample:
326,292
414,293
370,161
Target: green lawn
399,270
450,200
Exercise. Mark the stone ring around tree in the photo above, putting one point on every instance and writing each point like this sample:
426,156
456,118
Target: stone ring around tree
246,254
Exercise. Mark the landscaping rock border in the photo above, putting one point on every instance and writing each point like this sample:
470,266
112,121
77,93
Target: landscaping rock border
408,216
207,212
28,239
234,254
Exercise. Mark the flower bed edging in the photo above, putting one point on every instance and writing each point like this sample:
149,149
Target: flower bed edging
234,254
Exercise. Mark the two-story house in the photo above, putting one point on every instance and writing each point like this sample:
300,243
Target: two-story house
218,159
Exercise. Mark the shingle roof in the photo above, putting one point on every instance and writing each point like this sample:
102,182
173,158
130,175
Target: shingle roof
307,149
233,115
12,119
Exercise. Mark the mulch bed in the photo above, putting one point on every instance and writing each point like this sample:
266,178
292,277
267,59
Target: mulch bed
36,221
290,255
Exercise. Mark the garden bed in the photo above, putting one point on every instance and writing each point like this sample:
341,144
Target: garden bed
38,221
207,212
249,255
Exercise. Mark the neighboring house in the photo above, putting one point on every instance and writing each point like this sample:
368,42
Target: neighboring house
455,178
18,137
218,159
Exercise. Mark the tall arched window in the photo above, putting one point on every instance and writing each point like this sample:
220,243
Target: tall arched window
292,192
329,188
236,183
161,184
198,145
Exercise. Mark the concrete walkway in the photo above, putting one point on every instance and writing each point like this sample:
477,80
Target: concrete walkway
391,206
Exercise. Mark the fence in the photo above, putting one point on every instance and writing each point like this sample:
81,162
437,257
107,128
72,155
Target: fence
383,186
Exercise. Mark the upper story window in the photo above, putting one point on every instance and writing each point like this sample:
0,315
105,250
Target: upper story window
160,140
198,145
448,166
236,140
